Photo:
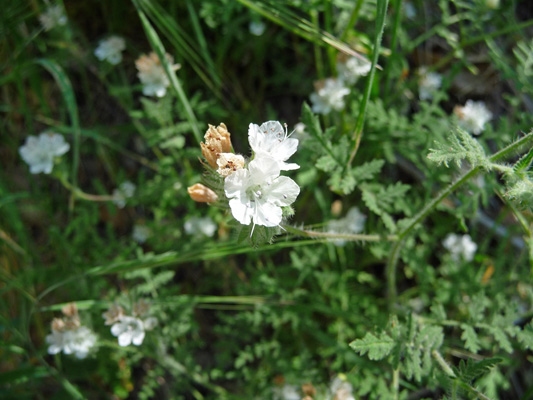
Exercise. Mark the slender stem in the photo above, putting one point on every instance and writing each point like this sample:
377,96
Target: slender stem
353,19
394,39
443,364
76,192
428,208
396,383
344,236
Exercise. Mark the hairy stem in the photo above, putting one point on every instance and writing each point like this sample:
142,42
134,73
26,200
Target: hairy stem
344,236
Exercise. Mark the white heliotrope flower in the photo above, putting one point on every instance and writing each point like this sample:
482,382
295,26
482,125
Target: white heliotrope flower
341,389
460,247
39,151
257,28
129,330
77,341
352,223
110,49
473,116
287,392
123,192
271,140
353,68
428,83
197,226
329,95
141,233
152,74
52,17
257,193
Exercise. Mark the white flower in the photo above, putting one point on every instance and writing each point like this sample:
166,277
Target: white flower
200,226
428,83
39,151
352,69
352,223
141,233
77,341
228,163
152,75
129,330
473,116
329,96
271,140
257,28
409,9
341,390
258,193
123,192
110,49
460,247
287,392
52,17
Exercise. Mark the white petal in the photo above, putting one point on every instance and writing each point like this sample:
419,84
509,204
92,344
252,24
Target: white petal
240,211
268,214
263,169
116,329
283,191
125,339
138,338
254,137
235,183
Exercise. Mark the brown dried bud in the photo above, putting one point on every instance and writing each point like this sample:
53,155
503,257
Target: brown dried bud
113,314
140,308
308,389
58,325
458,110
70,310
228,163
202,194
217,141
307,398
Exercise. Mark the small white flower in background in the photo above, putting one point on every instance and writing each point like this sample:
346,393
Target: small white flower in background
123,192
129,330
110,49
460,247
352,223
299,128
71,340
341,389
228,163
329,95
197,226
353,68
287,392
473,116
141,233
257,28
409,9
493,4
428,83
257,194
271,140
39,151
52,17
152,75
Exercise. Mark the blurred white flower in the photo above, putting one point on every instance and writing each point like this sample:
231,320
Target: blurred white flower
428,83
460,247
110,49
271,140
78,341
152,75
350,70
409,9
493,4
129,330
352,223
299,128
329,95
39,151
141,233
341,390
123,192
257,28
473,116
197,226
257,194
52,17
287,392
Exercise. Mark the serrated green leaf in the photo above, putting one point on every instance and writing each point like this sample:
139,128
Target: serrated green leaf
368,170
525,337
469,335
471,370
501,337
377,347
460,146
326,163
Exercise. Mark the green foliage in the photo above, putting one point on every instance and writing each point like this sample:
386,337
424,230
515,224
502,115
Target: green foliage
377,347
461,146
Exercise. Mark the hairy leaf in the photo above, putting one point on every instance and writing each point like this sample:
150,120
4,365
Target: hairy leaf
377,347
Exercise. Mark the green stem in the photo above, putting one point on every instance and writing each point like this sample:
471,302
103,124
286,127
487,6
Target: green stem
396,383
428,208
77,193
353,19
394,39
344,236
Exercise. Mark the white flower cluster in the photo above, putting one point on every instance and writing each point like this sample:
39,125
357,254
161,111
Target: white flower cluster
123,192
197,226
287,392
52,17
329,93
341,389
129,329
352,223
460,247
39,151
141,233
428,83
152,74
257,28
111,49
68,336
473,116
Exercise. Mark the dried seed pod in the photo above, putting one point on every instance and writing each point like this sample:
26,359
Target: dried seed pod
202,194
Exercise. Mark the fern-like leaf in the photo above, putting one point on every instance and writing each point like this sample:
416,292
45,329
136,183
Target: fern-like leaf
377,347
461,146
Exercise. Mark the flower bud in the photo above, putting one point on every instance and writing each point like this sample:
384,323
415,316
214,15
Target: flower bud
202,194
217,141
58,325
70,310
